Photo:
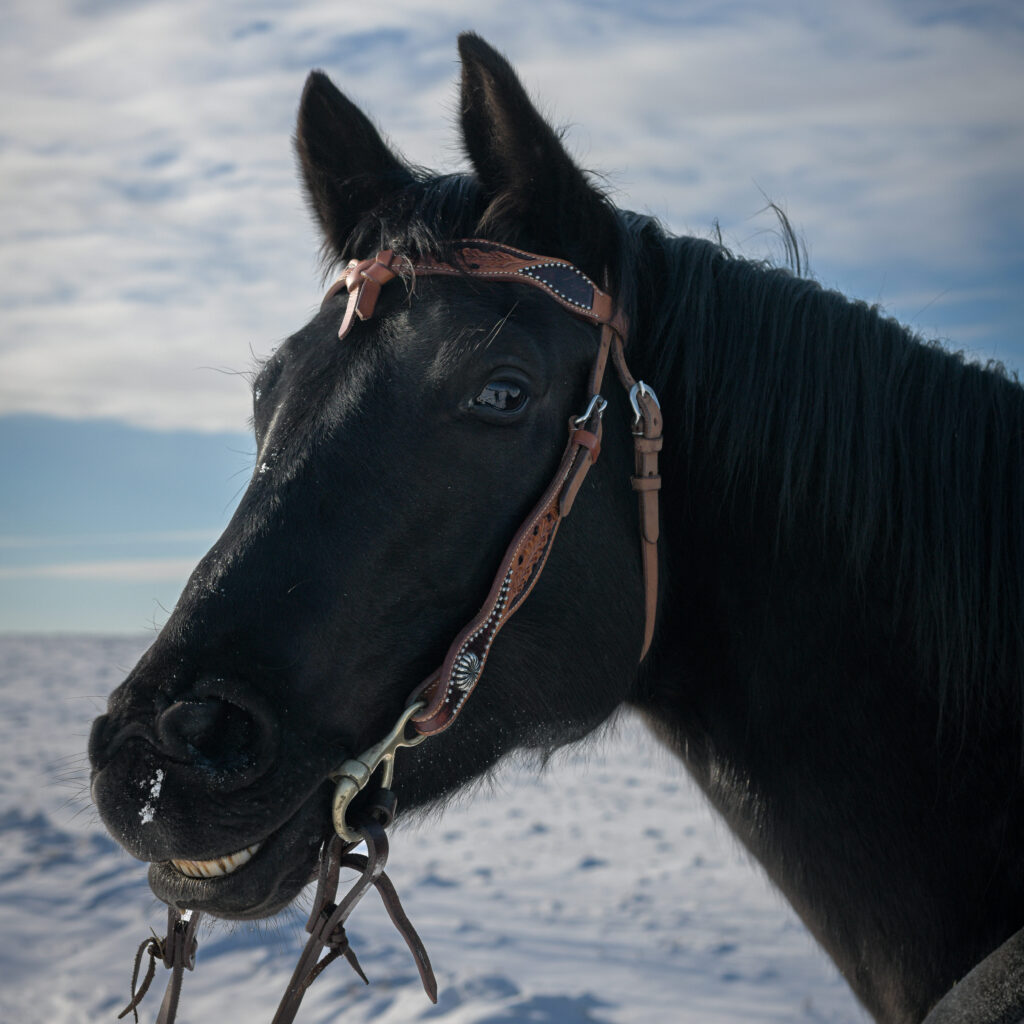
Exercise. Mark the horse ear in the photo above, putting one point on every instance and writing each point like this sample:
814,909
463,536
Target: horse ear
527,176
347,167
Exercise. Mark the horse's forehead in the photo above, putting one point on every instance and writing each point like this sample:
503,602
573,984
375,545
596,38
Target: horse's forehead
415,343
459,323
314,382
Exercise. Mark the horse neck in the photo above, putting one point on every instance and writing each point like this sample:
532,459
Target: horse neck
807,425
833,597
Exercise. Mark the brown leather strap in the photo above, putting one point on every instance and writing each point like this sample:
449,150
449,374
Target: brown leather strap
176,951
446,691
563,282
326,925
647,441
363,279
154,949
475,257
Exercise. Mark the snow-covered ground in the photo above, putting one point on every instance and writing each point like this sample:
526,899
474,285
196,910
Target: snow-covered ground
601,890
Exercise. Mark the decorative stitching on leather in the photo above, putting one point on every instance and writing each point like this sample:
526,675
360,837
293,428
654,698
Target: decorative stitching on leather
428,269
518,580
532,272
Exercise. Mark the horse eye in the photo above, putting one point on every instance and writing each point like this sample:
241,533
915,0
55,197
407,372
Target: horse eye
502,396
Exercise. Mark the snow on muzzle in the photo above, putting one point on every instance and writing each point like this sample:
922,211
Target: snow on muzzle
218,866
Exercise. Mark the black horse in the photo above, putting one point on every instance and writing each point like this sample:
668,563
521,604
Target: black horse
838,651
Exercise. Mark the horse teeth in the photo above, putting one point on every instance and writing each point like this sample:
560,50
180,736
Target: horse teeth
218,866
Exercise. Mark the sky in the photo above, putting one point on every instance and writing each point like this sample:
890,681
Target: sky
154,241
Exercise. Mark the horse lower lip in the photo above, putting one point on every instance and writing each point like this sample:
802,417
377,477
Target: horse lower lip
218,866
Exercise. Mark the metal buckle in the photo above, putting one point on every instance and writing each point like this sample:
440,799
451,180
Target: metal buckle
353,776
638,389
597,405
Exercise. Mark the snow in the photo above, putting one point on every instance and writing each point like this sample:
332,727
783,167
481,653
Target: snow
600,890
148,810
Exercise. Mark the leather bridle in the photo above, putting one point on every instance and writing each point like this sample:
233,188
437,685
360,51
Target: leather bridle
446,691
437,701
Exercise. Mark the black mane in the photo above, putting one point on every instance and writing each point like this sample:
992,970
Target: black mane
907,454
421,219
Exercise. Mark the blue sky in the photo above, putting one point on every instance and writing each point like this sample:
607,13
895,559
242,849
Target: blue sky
153,238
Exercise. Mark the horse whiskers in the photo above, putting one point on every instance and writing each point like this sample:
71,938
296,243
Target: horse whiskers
493,333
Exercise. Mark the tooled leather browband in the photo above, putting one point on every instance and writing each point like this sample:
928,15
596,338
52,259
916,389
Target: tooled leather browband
446,691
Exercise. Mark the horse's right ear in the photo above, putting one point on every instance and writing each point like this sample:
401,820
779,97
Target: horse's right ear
346,166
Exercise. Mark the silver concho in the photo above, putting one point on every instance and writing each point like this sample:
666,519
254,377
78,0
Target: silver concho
465,671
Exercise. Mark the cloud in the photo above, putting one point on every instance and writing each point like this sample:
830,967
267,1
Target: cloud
152,232
129,570
28,541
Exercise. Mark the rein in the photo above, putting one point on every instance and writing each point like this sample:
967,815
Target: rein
435,704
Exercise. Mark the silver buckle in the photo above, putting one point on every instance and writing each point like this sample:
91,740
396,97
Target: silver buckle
597,405
640,388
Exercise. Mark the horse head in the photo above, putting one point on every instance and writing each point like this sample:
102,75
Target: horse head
841,672
392,468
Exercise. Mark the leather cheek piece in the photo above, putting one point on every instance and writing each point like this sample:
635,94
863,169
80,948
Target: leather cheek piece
588,440
648,509
588,447
647,484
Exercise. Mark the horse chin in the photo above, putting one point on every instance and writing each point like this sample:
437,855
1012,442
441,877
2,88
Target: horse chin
282,864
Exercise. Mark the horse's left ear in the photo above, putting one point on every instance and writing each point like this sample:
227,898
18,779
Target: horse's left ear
529,180
347,167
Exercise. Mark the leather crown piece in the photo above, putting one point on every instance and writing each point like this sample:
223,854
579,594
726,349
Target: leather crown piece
445,692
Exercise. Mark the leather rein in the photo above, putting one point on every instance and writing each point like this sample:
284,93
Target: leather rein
435,704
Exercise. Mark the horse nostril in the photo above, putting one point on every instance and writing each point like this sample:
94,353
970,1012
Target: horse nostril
187,727
214,734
